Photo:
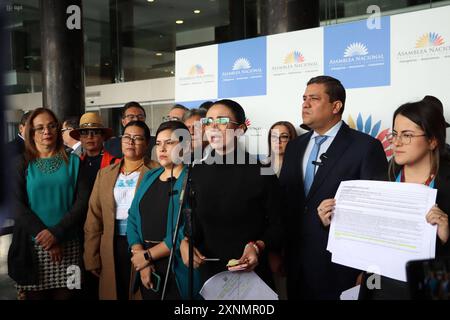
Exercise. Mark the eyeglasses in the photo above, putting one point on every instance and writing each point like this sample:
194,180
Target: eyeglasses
221,122
89,132
131,117
135,139
281,138
404,138
66,129
51,127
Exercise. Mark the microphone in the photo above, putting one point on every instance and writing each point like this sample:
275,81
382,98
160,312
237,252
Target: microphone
172,180
322,158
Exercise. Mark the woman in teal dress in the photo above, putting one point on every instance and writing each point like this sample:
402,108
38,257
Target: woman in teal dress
151,222
50,206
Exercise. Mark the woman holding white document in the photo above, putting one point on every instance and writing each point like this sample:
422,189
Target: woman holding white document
420,156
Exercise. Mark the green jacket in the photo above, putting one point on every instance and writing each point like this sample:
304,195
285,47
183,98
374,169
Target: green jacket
134,229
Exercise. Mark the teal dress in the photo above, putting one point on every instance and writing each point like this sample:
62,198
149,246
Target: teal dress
134,229
51,188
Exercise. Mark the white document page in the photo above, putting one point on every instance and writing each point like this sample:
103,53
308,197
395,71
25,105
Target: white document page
381,226
351,294
237,285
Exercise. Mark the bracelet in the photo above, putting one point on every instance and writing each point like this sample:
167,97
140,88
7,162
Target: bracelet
252,243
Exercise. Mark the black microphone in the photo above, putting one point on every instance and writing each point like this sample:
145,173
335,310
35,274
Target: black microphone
172,180
322,157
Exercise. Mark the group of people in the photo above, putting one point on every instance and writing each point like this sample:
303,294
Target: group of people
111,206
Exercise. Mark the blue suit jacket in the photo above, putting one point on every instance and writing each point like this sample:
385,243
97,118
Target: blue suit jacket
351,156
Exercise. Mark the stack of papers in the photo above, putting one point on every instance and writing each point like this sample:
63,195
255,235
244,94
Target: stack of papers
380,226
238,285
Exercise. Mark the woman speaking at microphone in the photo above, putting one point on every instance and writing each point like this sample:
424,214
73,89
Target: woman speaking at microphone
237,204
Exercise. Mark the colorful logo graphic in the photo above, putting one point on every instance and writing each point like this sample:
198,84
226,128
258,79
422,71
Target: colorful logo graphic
294,57
241,64
374,131
430,39
196,70
355,49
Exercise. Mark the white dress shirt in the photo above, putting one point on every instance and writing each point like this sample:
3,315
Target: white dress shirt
331,134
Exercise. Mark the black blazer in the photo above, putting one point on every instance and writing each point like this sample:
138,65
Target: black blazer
15,147
352,156
398,290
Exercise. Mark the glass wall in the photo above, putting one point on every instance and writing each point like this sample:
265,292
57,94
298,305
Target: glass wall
128,40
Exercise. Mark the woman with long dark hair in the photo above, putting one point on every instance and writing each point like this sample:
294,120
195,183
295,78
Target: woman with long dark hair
50,204
418,141
237,204
153,217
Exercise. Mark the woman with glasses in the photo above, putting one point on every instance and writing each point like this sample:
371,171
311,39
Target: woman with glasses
153,216
50,202
237,206
280,133
106,252
418,141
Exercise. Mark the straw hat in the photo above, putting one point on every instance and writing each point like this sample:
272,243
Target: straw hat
91,120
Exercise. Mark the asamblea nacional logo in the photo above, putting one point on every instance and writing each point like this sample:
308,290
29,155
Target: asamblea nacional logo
356,55
294,62
241,63
359,57
428,46
355,49
242,68
196,75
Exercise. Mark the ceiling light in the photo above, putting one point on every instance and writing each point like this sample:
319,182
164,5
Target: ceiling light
197,11
179,22
150,0
159,54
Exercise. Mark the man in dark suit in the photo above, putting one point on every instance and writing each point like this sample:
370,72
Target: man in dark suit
131,111
314,165
17,146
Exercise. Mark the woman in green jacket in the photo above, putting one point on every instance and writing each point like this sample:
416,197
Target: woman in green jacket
152,219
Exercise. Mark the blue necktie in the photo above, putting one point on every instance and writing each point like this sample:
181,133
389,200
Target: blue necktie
310,167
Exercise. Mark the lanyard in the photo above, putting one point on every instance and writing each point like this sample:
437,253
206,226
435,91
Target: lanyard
429,182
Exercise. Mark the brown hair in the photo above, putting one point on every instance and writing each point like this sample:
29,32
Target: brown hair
432,122
31,152
291,130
